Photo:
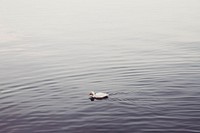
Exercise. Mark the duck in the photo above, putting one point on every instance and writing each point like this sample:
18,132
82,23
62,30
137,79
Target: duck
98,95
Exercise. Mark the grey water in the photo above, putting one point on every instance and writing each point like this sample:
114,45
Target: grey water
144,53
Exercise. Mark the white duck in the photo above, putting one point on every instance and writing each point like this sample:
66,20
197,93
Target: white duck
98,95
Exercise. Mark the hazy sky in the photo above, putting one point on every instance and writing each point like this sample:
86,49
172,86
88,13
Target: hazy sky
94,19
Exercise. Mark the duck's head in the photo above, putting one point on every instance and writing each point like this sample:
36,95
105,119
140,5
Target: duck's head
91,93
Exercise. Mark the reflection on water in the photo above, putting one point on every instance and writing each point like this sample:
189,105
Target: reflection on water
144,54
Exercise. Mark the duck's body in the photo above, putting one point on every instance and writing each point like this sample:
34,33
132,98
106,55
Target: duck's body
98,95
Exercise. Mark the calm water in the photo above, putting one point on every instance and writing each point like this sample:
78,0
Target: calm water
145,54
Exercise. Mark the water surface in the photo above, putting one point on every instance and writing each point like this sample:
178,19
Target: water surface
145,54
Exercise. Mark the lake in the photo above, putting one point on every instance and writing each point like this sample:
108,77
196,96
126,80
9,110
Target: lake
145,54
